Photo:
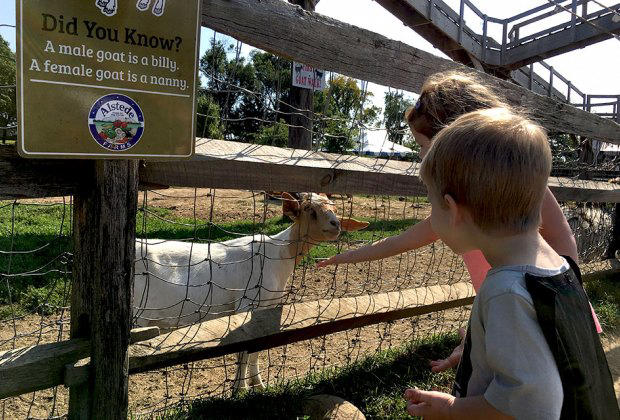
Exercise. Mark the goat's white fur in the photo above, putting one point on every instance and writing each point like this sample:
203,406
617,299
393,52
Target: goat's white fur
224,278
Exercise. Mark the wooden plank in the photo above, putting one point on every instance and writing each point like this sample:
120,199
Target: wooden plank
39,367
272,168
567,189
296,322
259,167
275,169
32,178
369,56
32,368
77,373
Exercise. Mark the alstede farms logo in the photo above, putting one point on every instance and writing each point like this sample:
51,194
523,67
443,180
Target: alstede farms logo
116,122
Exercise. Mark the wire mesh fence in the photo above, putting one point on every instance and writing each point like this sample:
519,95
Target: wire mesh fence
229,251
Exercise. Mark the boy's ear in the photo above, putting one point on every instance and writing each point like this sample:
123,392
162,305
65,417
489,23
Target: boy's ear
290,206
351,225
453,208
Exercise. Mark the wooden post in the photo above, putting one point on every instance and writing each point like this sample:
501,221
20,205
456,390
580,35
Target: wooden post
300,134
104,227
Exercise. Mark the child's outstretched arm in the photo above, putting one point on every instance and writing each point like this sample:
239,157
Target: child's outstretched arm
555,229
415,237
438,405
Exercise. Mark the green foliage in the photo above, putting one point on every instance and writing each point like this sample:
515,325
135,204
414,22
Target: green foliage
273,135
248,93
564,150
393,116
8,110
208,123
345,107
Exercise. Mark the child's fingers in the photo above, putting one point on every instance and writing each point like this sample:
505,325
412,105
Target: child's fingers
440,365
325,263
420,409
414,395
462,333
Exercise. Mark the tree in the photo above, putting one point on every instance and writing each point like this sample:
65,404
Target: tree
8,108
393,116
208,122
273,135
565,150
344,108
232,84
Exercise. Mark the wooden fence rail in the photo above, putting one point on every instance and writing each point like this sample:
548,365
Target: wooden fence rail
275,27
225,164
35,368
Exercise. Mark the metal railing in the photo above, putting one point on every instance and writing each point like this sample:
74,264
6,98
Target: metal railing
482,45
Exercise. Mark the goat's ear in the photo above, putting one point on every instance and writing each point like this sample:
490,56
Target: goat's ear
351,225
290,206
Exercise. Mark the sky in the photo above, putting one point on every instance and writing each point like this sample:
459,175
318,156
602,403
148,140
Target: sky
594,69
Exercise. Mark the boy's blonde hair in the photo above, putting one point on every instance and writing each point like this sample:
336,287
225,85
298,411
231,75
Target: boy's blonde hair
447,95
495,163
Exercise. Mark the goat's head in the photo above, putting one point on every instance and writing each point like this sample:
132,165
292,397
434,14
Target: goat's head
314,213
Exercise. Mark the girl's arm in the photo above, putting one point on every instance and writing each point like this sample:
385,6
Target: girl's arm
555,228
415,237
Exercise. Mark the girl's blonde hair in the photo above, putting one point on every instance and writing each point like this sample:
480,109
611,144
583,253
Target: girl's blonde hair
446,96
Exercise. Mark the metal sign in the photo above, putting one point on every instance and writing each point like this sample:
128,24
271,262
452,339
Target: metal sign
107,79
308,77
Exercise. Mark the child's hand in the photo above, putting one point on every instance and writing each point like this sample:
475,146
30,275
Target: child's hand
429,404
336,259
452,360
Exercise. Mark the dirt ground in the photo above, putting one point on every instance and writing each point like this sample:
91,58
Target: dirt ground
151,391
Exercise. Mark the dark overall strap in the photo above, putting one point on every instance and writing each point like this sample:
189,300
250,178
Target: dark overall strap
464,371
565,317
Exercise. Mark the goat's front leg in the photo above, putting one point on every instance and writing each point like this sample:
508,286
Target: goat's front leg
255,380
240,382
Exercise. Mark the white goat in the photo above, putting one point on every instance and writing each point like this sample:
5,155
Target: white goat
179,283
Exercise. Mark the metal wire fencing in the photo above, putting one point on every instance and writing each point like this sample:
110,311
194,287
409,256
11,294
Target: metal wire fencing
205,254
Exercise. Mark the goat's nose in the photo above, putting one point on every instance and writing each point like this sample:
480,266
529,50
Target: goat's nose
335,223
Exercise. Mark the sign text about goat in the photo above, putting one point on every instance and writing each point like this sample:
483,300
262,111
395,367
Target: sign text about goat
107,79
308,77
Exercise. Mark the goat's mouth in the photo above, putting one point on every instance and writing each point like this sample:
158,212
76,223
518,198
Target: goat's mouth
332,232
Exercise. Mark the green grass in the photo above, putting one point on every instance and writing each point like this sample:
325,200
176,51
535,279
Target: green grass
604,295
46,285
375,385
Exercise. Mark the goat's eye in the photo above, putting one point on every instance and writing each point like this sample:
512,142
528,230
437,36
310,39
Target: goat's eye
313,213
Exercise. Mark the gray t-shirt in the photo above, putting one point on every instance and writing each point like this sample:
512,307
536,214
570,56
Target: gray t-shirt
512,365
